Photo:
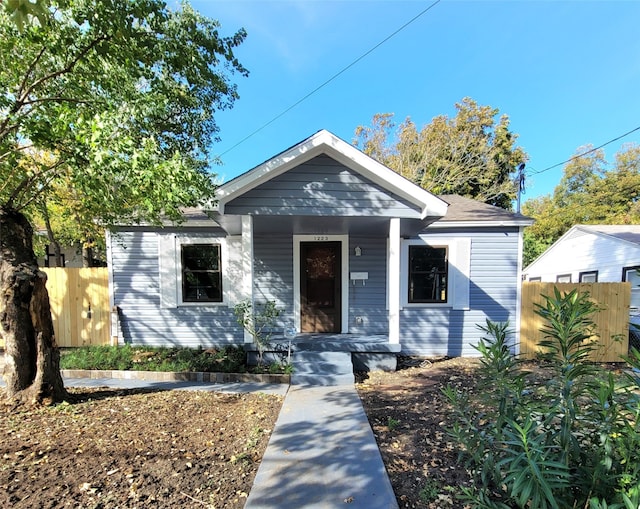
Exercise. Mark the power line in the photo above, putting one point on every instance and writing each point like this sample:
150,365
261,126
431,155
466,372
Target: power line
325,83
587,152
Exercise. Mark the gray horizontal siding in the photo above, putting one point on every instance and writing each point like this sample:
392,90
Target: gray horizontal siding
273,273
423,330
434,331
368,301
136,291
321,187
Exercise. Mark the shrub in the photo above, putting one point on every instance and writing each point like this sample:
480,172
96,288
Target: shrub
570,440
227,359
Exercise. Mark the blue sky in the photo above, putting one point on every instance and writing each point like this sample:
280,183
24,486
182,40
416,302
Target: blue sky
567,73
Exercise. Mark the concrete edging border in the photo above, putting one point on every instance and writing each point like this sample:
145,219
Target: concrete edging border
173,376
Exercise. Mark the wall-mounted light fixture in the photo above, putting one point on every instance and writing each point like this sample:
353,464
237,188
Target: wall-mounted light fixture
357,251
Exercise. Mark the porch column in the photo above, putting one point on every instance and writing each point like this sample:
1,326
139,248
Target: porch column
394,280
247,266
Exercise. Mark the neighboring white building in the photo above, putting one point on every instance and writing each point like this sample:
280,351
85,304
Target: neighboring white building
591,254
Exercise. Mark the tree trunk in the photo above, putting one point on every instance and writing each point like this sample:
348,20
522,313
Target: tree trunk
87,256
57,251
32,359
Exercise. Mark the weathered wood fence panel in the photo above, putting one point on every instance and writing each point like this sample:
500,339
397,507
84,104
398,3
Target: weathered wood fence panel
612,322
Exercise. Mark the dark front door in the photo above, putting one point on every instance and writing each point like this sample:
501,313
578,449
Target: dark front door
320,287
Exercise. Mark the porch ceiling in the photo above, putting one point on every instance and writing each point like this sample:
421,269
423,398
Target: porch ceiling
335,225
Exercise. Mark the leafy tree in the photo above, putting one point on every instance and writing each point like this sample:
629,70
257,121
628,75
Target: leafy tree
122,94
590,192
471,154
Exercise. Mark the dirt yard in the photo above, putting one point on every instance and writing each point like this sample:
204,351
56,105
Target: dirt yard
409,416
126,449
117,449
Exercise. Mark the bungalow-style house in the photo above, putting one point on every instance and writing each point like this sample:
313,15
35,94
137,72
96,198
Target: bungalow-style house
592,254
346,247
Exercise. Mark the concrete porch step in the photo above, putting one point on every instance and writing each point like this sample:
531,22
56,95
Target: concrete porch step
315,368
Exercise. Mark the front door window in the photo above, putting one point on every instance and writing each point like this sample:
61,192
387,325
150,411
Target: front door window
320,290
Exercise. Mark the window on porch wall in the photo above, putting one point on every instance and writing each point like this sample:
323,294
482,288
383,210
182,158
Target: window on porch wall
201,273
428,273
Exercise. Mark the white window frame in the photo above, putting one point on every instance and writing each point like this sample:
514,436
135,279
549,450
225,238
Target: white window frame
459,264
170,257
635,290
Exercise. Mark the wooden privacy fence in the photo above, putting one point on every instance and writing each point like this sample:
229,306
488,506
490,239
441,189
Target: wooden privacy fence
612,321
80,306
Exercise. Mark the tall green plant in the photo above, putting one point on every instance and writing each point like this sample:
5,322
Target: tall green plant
570,440
259,321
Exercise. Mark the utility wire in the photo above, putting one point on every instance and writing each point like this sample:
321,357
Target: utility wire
587,152
336,75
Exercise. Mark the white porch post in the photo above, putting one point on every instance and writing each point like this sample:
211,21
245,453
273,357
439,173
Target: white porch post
247,266
394,280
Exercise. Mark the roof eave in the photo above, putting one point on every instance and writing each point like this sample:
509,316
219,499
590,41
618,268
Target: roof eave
485,224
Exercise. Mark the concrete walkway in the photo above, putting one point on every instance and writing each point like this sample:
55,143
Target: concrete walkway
322,454
235,387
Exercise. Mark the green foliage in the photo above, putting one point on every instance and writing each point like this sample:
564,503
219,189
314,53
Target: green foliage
566,440
120,95
471,154
392,423
591,191
259,322
229,359
430,491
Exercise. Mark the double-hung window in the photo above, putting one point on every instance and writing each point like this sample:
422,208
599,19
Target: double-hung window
435,272
195,270
201,268
428,273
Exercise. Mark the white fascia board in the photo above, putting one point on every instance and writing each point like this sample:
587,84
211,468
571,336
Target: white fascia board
591,229
296,155
480,224
325,142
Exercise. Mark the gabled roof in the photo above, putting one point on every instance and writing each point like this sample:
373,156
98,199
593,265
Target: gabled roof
626,232
466,211
324,142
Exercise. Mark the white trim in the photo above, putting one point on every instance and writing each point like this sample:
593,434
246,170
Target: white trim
113,338
480,224
108,240
171,271
459,266
324,142
344,275
586,229
395,271
247,267
516,346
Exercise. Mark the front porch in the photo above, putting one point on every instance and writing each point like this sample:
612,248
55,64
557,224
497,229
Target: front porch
326,355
